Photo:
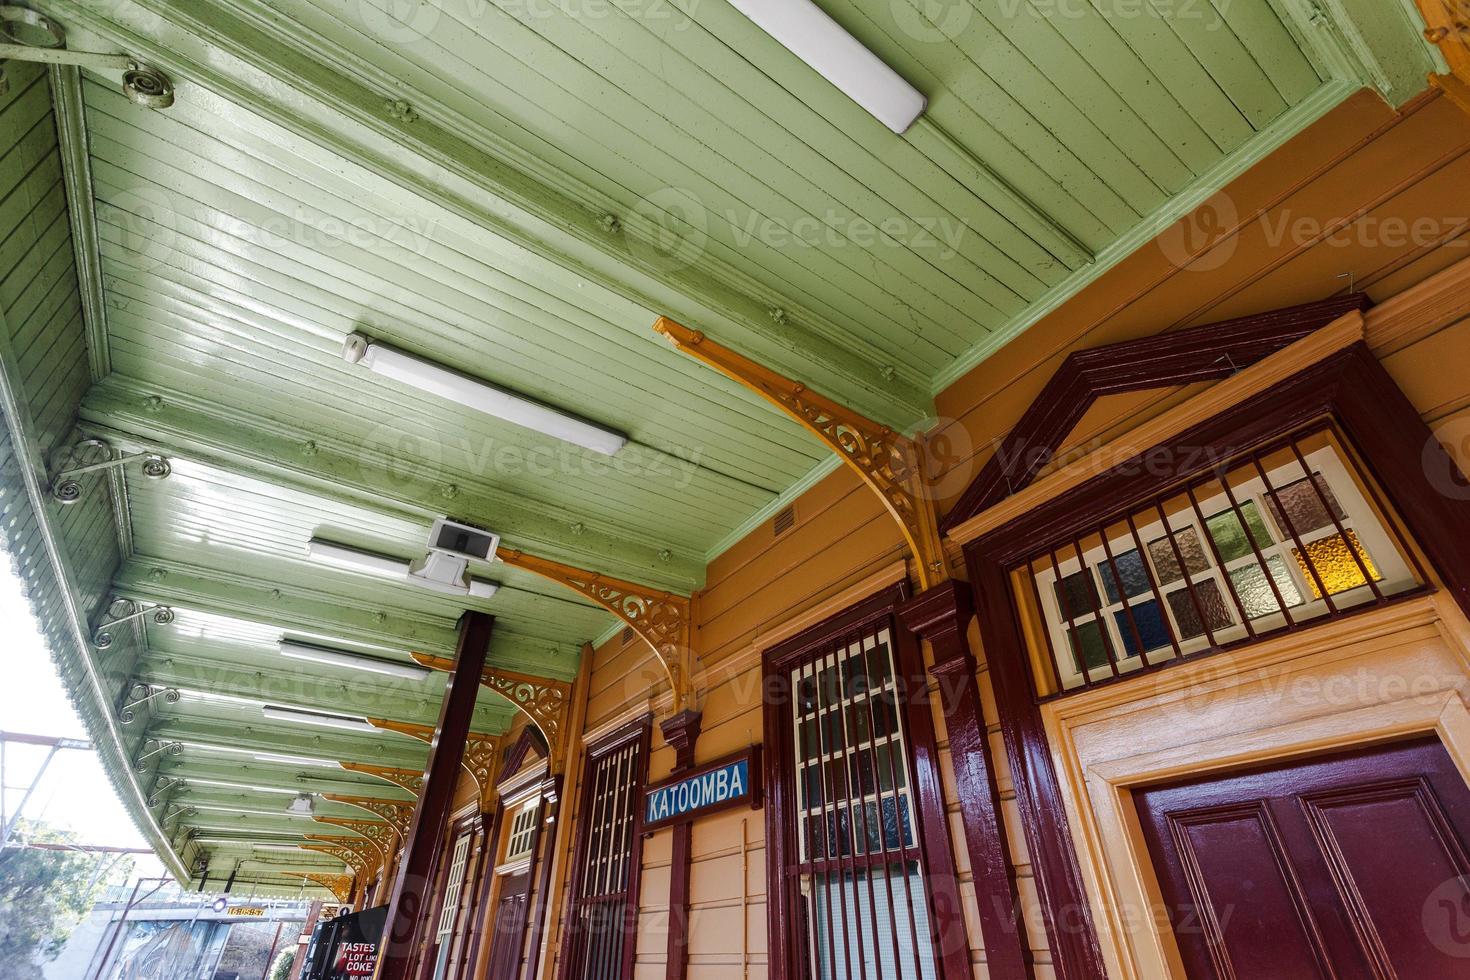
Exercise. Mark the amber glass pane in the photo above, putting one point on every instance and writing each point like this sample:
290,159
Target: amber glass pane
1167,566
1335,564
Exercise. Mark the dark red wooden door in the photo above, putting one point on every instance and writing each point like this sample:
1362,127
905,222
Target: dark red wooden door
1340,866
510,928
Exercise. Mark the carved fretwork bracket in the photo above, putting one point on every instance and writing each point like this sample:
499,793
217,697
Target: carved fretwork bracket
351,858
1449,28
410,779
399,815
339,885
369,855
543,700
381,834
480,750
889,463
663,619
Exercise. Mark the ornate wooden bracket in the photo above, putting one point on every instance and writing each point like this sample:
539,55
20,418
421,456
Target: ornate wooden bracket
410,779
480,751
892,465
382,835
544,701
1449,28
339,885
663,619
368,853
398,814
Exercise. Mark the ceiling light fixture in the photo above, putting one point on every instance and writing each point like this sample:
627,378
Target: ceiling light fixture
356,661
481,396
293,760
807,32
351,723
383,566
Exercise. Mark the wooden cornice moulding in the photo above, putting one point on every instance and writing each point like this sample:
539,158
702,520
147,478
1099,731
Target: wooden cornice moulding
1346,330
1420,310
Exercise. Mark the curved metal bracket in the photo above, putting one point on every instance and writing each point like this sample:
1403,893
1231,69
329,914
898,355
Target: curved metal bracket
893,466
163,785
347,856
409,779
365,851
663,619
480,750
398,814
121,610
140,695
543,700
380,834
65,467
339,885
160,749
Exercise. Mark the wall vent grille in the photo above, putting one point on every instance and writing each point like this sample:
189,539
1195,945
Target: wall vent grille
784,521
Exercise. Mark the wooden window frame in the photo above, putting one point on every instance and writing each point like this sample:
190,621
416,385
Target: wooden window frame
639,731
1394,447
949,933
465,936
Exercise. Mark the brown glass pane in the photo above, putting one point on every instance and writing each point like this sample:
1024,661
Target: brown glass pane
1216,613
1076,595
1334,563
1166,566
1303,506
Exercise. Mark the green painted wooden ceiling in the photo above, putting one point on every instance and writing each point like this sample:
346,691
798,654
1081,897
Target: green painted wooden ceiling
517,189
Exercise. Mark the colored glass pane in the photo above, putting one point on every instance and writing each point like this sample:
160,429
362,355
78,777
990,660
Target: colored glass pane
1335,564
1089,644
1229,533
1166,565
1209,601
1076,595
1254,590
1148,618
1128,570
1303,508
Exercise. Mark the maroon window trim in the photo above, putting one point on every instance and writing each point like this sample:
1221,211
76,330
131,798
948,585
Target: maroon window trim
787,929
471,826
577,957
1422,485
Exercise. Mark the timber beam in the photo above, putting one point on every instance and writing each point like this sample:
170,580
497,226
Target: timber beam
544,701
894,466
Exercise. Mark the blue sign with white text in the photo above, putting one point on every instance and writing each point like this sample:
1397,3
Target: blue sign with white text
716,787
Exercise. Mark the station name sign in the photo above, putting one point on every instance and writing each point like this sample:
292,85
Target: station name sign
714,786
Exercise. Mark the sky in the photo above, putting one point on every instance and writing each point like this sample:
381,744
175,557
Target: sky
74,793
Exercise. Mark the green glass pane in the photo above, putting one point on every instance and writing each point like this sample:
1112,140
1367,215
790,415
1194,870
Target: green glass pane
1255,591
1229,534
1088,642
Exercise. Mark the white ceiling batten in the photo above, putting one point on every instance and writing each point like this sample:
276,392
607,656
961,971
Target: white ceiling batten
480,396
809,33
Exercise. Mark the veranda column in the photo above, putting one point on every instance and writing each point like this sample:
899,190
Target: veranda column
680,732
421,851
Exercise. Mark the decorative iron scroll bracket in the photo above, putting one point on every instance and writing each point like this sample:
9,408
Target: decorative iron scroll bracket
163,788
368,853
347,856
141,694
399,815
892,465
65,468
160,748
382,835
479,752
543,700
339,885
409,779
663,619
175,811
120,611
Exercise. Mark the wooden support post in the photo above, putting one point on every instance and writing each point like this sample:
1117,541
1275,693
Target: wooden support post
680,732
544,852
942,616
421,852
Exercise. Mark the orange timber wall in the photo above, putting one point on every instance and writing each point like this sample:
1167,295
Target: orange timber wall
1341,191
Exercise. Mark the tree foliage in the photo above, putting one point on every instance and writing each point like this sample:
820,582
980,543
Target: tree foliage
43,895
282,968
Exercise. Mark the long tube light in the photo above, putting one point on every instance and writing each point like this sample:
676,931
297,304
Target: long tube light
807,32
384,566
293,760
356,661
351,723
481,396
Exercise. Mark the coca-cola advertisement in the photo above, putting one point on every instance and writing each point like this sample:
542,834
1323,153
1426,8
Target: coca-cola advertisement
346,948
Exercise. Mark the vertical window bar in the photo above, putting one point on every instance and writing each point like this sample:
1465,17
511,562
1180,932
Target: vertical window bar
1153,583
1270,492
853,648
1225,579
1073,643
900,757
1117,574
1408,551
1097,610
842,801
1331,512
875,754
1199,608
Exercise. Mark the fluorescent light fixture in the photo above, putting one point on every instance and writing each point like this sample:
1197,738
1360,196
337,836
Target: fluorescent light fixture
293,760
481,396
355,661
807,32
351,723
384,566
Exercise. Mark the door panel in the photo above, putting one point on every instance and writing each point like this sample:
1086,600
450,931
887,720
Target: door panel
510,927
1341,866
